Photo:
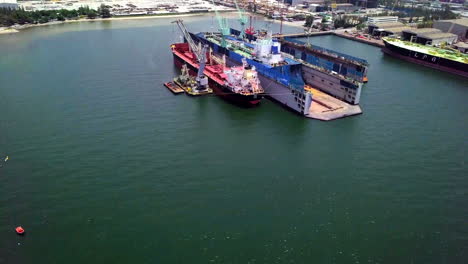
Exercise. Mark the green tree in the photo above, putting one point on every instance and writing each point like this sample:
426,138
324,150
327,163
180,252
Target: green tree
104,11
309,21
60,17
44,19
84,10
92,14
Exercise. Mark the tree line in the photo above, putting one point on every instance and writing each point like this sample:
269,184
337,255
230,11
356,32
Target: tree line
10,16
428,14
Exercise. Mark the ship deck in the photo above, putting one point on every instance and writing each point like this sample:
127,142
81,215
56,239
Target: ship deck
326,107
211,71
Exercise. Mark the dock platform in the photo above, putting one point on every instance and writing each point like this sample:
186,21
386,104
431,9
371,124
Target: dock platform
194,93
191,92
175,89
326,107
374,42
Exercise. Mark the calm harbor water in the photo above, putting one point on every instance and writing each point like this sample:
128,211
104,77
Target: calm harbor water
107,166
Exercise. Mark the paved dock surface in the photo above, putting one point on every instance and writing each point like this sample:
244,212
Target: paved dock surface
303,34
325,107
339,33
369,41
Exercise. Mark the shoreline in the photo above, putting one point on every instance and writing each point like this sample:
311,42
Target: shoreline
18,28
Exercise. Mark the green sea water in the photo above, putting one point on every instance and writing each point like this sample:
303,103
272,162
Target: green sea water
107,166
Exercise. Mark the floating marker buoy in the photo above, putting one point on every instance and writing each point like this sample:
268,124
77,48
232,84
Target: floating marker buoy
19,230
6,158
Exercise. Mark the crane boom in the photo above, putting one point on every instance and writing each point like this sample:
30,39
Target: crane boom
202,61
200,53
242,19
195,49
223,26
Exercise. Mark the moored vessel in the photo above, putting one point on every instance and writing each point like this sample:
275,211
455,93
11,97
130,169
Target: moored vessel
281,77
237,84
438,58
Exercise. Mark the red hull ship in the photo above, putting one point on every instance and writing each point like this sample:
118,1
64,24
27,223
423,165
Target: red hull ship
217,78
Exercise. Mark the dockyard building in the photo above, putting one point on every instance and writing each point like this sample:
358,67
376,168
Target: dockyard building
376,29
455,26
364,3
436,38
382,19
344,7
411,33
8,4
462,47
396,31
431,36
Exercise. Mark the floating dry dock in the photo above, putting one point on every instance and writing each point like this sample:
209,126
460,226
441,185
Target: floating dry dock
326,108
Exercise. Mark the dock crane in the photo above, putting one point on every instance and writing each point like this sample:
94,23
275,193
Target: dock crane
223,26
200,53
242,19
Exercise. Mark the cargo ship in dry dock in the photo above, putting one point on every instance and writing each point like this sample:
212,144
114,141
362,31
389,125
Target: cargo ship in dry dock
237,84
433,57
280,76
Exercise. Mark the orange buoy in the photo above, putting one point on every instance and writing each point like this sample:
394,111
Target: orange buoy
19,230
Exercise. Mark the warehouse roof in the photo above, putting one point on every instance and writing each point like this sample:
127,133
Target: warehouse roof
461,21
437,35
422,30
461,45
396,29
387,24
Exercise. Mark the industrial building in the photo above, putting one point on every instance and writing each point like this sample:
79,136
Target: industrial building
455,26
376,29
436,38
382,19
462,47
412,33
364,3
301,2
8,4
393,31
430,36
344,7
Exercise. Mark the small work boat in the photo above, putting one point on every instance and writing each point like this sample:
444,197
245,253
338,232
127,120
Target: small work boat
173,88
